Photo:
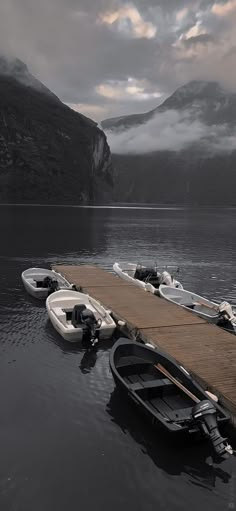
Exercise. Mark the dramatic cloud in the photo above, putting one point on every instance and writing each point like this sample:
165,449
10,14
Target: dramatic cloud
127,19
199,39
86,51
224,9
171,131
181,15
130,90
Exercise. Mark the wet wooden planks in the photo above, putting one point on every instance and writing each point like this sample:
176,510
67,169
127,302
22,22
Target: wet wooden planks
206,350
86,275
138,308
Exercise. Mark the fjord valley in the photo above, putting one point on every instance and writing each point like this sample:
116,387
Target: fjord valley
48,152
182,152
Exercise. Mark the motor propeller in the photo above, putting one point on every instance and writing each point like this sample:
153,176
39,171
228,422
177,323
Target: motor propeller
205,414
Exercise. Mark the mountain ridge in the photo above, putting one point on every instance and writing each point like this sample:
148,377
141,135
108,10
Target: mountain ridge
48,152
156,160
196,95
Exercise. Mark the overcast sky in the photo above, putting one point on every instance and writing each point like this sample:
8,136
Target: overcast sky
112,57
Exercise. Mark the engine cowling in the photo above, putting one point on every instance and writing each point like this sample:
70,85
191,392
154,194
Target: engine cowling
166,279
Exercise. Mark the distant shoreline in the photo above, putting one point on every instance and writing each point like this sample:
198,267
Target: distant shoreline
93,207
121,206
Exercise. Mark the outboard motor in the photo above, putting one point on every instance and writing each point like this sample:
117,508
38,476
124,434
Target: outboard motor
226,312
50,283
76,315
91,324
46,282
166,279
53,286
205,414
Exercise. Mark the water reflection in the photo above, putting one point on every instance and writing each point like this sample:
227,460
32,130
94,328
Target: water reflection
36,232
54,411
194,460
89,359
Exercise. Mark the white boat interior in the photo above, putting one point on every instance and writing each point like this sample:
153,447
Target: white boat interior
40,282
36,277
220,314
190,300
64,307
149,278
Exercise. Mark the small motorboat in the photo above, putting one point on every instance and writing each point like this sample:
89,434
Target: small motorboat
221,314
40,282
166,393
77,316
148,278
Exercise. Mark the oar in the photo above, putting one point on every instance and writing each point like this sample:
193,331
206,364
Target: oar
215,307
176,382
181,386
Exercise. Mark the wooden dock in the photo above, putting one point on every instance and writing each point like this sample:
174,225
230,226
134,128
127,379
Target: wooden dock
206,350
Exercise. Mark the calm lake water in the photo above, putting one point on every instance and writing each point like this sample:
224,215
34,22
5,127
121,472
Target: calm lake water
67,439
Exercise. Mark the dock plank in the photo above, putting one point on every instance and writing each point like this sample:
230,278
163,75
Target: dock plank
141,309
86,275
207,351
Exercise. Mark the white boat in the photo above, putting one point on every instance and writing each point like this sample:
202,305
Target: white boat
39,282
68,310
221,314
148,278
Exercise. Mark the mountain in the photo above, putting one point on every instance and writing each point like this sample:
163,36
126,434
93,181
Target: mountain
207,101
198,169
48,152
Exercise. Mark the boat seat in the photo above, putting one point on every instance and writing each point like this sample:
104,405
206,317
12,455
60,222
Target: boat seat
149,384
156,383
181,415
32,282
60,314
129,361
135,386
205,310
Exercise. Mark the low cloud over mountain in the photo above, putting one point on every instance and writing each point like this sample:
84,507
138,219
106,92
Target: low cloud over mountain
183,151
172,131
199,113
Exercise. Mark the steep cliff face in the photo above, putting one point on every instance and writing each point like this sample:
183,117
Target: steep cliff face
48,152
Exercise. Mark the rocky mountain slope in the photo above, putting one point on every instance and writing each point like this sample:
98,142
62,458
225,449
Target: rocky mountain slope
202,171
207,101
48,152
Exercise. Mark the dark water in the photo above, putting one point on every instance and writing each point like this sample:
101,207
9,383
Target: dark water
67,440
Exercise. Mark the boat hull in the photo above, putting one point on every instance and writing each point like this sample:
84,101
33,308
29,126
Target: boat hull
198,305
33,276
123,375
64,300
39,293
126,271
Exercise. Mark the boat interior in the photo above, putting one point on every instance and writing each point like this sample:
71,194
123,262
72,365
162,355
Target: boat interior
63,310
36,281
65,314
155,390
147,275
193,305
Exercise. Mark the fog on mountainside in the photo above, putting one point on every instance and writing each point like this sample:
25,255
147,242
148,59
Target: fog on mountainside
183,152
197,113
